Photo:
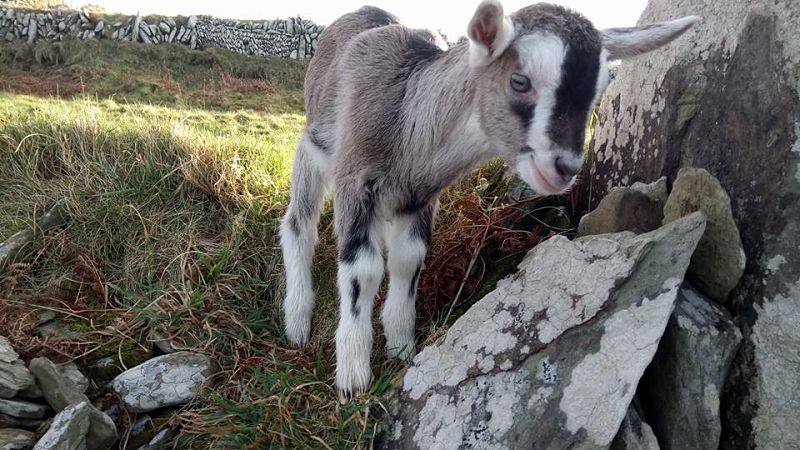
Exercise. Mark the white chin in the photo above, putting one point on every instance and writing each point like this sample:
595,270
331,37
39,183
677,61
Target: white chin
527,171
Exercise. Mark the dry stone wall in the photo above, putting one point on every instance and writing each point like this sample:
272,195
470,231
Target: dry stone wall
290,38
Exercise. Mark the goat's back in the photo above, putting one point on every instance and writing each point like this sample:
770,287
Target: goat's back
321,79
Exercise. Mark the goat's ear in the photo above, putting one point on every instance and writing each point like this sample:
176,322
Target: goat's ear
624,43
490,32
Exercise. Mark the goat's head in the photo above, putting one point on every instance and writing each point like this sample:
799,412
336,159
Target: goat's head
540,71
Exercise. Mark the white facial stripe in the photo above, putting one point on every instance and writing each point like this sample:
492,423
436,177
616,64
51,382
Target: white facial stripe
541,56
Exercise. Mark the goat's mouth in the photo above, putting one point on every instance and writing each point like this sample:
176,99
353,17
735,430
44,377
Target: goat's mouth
535,174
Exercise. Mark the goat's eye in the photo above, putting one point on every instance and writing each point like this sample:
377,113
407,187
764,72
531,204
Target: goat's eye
520,83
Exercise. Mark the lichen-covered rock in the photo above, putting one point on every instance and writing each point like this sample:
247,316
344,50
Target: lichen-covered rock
682,387
725,97
74,374
551,358
165,380
719,261
61,392
623,209
13,439
634,433
7,353
22,409
68,431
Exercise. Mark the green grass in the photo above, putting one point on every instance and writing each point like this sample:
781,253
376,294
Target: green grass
175,165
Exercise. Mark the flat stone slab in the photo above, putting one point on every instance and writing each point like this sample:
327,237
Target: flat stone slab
166,380
22,409
13,439
552,357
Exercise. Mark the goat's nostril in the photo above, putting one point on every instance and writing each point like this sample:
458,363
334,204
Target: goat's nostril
564,170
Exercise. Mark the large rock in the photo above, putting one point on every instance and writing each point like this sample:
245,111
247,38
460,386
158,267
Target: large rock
552,357
68,430
12,439
719,261
165,380
61,392
682,387
726,98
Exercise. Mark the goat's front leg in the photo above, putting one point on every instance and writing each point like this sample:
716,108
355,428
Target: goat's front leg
360,270
407,243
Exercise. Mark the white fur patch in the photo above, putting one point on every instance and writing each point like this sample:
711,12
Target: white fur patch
405,256
354,333
298,305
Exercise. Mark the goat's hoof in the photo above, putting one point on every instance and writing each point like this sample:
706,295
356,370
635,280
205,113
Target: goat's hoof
297,332
351,382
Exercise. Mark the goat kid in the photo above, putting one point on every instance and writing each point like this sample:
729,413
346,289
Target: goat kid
392,120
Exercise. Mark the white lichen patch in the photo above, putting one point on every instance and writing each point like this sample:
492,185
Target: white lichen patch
711,399
775,263
546,298
445,423
603,383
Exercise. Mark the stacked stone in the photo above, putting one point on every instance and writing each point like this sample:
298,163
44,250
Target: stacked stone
290,38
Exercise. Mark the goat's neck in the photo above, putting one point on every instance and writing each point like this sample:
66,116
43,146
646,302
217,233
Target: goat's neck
441,115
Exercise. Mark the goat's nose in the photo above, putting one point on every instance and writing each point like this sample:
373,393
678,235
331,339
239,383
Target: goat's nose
564,169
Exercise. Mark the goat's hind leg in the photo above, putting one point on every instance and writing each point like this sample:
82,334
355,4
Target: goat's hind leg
360,270
407,243
298,232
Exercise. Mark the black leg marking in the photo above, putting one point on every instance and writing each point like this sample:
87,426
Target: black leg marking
293,225
412,289
355,293
423,224
358,232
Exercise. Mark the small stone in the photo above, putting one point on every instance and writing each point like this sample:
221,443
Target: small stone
719,261
165,380
7,353
634,433
161,440
657,190
99,27
74,374
61,392
191,22
14,377
12,439
22,409
7,421
163,27
623,209
68,430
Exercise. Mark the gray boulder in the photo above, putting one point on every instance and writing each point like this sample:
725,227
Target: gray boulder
719,261
13,439
725,97
551,358
683,385
68,430
166,380
61,392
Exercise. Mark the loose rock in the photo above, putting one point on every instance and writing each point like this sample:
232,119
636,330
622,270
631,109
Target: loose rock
61,392
719,261
552,357
68,430
623,209
634,434
14,377
12,439
165,380
22,409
